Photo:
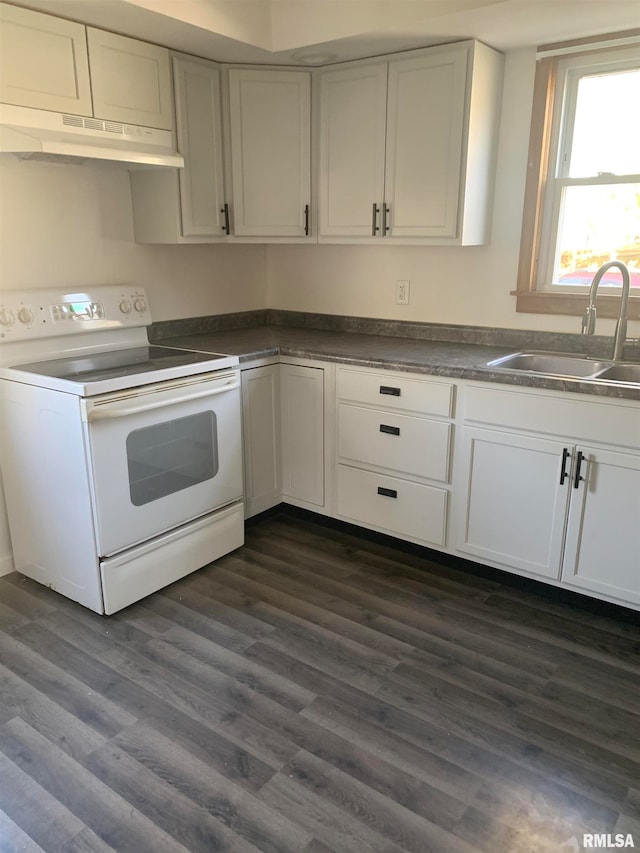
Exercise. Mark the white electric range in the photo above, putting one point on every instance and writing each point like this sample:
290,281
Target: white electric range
122,461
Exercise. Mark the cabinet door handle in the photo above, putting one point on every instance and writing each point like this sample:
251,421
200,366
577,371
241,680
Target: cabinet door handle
374,219
566,454
389,430
578,477
386,210
389,391
387,493
225,211
306,220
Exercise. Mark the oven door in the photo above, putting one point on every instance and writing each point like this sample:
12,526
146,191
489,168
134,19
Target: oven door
161,455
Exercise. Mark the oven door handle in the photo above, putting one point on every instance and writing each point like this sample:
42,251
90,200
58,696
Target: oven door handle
99,413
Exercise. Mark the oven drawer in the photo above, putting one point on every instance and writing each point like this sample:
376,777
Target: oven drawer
389,504
139,572
415,446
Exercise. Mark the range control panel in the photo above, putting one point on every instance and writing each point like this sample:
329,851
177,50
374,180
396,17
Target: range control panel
30,314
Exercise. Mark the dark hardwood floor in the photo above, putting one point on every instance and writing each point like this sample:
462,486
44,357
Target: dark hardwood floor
312,692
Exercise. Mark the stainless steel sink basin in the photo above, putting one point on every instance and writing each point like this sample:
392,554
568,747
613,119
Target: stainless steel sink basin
552,364
621,373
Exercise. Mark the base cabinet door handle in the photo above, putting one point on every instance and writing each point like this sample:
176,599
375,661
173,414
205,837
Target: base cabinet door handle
578,477
566,455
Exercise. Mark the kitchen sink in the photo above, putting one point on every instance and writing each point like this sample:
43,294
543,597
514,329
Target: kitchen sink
553,364
621,373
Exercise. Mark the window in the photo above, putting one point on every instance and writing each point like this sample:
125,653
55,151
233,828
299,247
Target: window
582,201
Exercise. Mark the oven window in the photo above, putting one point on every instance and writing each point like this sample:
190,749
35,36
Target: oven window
174,455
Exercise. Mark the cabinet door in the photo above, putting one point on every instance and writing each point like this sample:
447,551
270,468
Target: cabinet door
198,115
130,80
43,62
515,506
353,107
270,151
302,407
425,124
602,552
261,435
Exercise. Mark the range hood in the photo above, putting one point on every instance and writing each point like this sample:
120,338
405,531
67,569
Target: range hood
39,134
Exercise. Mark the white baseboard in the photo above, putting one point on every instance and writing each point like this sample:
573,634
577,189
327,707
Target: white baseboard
6,565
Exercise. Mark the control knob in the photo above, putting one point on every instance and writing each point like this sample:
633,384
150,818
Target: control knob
140,305
6,317
25,315
125,306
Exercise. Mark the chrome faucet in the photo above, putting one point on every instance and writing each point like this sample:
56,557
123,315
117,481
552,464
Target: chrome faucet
589,319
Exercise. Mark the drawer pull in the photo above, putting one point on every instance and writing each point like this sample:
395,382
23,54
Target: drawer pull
387,493
389,430
390,390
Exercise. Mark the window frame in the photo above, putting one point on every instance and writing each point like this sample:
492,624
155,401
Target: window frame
541,193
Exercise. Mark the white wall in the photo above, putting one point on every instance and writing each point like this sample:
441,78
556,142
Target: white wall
470,285
63,224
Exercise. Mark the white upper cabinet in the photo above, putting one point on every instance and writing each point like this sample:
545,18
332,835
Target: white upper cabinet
424,144
186,205
130,80
198,118
270,129
353,111
43,62
416,134
48,63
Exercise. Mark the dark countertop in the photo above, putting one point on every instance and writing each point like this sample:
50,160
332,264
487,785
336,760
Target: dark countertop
436,358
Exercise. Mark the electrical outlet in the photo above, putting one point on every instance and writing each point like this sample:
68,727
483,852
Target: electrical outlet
402,292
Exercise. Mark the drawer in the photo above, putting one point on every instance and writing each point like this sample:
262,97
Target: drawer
396,392
409,510
414,446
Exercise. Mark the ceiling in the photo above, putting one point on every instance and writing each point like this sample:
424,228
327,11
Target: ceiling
317,32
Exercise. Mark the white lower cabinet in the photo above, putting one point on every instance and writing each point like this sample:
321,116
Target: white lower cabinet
602,551
261,438
552,503
393,442
515,506
536,482
412,511
302,417
284,436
